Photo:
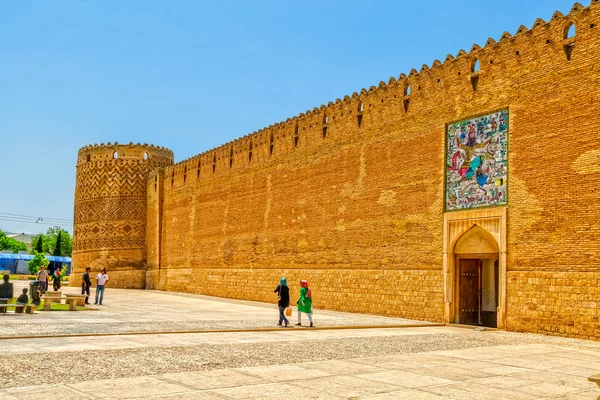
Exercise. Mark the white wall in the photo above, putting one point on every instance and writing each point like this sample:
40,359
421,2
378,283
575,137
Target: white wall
488,286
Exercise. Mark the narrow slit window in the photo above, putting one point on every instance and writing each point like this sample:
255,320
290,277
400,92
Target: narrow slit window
250,153
474,82
475,74
271,145
184,173
172,178
569,50
296,136
231,157
359,117
198,170
324,132
214,163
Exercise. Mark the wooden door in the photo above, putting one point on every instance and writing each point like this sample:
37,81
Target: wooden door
470,291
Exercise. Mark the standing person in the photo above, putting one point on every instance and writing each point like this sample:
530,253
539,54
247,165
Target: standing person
86,284
101,281
305,303
42,277
283,296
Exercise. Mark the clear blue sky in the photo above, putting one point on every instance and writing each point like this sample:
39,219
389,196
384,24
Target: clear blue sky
190,75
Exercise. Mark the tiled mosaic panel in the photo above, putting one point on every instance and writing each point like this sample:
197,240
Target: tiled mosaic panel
476,170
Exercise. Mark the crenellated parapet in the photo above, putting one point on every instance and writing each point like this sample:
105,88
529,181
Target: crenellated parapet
116,151
404,95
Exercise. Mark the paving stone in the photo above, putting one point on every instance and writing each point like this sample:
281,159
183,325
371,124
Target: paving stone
128,387
58,391
216,379
405,378
347,386
279,373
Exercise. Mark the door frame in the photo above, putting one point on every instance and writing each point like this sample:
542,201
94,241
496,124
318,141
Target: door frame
457,223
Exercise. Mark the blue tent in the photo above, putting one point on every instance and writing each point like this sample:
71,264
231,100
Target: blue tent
10,262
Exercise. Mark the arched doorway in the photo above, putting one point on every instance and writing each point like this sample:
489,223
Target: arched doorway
476,278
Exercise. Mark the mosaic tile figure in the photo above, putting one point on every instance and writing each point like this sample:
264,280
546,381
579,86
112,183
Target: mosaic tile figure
476,162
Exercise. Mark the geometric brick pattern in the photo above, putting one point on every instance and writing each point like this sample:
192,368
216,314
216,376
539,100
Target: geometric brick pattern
109,202
117,178
110,206
110,209
110,243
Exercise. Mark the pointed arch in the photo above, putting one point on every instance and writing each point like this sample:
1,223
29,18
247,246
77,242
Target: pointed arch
475,240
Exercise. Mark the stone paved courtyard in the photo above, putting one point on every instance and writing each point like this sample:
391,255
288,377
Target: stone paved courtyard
137,357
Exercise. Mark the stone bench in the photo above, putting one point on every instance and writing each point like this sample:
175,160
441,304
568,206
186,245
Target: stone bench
50,297
80,299
71,300
29,308
595,379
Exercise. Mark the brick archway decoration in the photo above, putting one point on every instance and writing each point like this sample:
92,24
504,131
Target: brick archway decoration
488,230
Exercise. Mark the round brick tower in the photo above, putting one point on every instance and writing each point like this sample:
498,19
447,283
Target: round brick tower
110,210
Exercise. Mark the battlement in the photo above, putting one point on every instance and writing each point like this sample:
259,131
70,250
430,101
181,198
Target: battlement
126,152
545,42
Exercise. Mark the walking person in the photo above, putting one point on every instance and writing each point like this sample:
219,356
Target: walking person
101,281
42,277
305,303
86,284
56,279
283,300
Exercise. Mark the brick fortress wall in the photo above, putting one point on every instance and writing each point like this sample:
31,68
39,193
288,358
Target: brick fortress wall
358,210
350,195
110,210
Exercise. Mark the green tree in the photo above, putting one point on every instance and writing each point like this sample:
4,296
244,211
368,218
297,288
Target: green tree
36,263
8,243
57,246
39,244
66,241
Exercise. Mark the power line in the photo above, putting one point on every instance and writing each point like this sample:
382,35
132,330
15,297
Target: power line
38,222
36,218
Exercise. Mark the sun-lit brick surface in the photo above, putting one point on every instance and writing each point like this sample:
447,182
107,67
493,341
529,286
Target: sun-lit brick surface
358,210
